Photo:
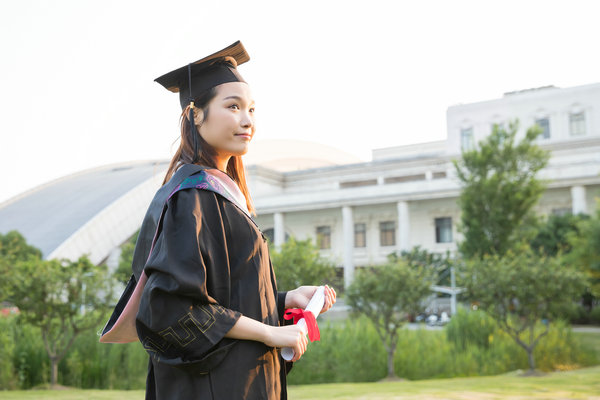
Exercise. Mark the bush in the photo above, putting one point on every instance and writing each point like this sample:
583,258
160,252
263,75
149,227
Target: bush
107,366
89,364
470,328
349,351
299,262
595,315
352,352
7,344
579,314
30,360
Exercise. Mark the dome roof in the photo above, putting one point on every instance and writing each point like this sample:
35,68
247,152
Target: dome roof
291,155
96,210
62,211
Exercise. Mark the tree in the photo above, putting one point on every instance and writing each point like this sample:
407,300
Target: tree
520,289
62,298
298,262
387,295
499,190
554,232
439,264
13,248
123,271
585,250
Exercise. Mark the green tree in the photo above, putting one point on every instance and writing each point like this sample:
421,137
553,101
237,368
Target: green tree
387,295
298,262
520,289
585,250
499,189
13,248
439,264
123,271
554,232
62,298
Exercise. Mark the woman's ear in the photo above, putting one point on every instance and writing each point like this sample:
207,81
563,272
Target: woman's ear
198,116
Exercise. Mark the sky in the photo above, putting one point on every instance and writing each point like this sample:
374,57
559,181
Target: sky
78,90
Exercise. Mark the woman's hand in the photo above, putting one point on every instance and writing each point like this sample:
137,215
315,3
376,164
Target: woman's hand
275,336
299,298
287,336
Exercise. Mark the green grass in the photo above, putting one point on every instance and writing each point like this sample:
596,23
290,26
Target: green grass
590,340
75,394
579,384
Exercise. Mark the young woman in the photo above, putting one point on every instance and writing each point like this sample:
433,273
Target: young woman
210,315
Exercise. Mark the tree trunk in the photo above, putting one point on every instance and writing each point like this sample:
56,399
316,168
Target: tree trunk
391,373
531,360
53,371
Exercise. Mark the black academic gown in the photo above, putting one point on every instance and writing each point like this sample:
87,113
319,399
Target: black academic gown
210,265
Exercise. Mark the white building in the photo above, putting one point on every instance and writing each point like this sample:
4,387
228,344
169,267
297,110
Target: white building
406,196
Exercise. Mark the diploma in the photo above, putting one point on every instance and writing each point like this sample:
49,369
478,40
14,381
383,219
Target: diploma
315,305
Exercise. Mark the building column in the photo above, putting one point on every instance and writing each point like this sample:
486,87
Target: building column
348,244
278,230
578,202
403,226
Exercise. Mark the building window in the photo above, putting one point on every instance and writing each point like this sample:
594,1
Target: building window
467,142
443,230
544,123
577,124
387,233
360,235
270,234
324,237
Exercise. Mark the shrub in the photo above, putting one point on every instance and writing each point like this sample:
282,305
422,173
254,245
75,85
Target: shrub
595,315
349,351
108,366
30,361
470,328
7,344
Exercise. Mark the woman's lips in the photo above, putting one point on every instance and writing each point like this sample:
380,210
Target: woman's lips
244,135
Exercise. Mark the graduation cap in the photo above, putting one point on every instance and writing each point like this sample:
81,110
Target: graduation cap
194,79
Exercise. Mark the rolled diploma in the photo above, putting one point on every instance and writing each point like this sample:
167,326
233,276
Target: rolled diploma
315,305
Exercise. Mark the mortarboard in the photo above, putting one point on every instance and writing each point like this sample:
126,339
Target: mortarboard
192,80
205,73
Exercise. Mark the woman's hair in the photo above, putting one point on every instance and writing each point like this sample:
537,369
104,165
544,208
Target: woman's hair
185,152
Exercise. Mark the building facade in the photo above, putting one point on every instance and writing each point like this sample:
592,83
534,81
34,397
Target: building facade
359,211
407,196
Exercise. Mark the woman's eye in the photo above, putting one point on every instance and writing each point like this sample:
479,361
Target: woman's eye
252,110
234,106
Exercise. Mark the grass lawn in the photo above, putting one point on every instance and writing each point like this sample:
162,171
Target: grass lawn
591,340
580,384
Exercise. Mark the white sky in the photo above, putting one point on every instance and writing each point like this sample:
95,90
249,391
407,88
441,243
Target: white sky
77,86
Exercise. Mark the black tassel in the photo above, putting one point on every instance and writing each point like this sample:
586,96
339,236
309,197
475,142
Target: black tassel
194,133
193,130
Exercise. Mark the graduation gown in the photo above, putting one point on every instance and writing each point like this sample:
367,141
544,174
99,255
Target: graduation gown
209,266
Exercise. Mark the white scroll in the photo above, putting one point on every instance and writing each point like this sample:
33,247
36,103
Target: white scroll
315,305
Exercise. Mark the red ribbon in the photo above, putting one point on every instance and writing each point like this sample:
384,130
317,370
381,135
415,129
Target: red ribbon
311,322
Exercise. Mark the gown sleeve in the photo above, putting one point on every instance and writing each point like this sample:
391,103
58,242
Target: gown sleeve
183,315
281,306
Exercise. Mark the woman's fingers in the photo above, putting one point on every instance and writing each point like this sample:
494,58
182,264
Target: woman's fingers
300,348
330,297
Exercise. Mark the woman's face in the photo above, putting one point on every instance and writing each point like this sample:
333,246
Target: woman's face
229,126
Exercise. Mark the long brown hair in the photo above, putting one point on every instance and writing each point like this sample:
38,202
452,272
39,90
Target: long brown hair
185,152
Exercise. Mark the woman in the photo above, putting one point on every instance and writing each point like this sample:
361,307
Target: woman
210,315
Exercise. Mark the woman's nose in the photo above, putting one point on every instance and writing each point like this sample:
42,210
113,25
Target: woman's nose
247,120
